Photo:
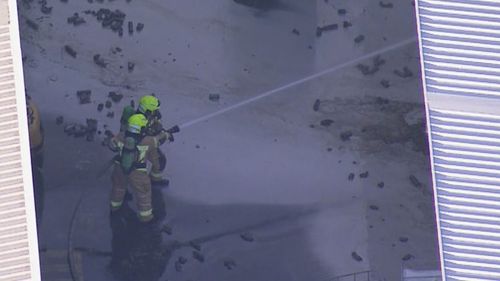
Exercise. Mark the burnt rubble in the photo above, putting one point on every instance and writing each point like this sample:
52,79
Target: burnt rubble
385,83
369,70
229,264
346,24
386,5
99,61
321,29
356,257
70,51
109,19
33,25
326,122
76,20
345,136
214,97
247,237
84,96
130,66
316,105
405,73
198,256
359,39
115,97
139,27
414,181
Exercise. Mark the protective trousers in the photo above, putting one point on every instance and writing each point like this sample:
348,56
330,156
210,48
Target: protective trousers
141,186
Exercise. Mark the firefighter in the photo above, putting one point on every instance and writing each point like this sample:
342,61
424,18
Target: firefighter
36,137
149,106
135,149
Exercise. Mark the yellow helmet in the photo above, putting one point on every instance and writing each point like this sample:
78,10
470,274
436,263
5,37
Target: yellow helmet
148,103
136,123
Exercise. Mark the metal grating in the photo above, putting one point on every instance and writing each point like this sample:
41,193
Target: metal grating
18,239
460,55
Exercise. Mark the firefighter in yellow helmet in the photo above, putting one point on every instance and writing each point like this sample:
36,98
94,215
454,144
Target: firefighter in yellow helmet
135,149
36,137
149,106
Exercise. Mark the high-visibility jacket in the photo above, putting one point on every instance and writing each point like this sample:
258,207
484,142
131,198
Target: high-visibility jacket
148,152
34,125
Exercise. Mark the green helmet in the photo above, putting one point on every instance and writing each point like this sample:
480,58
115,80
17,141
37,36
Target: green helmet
136,123
148,104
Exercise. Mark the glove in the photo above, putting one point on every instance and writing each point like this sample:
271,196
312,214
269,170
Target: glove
165,136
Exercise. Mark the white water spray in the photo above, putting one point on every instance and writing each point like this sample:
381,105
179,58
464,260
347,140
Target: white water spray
297,82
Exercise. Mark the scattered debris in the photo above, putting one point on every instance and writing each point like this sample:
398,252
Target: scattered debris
108,104
139,27
364,175
130,66
330,27
44,9
347,24
75,130
407,257
415,181
359,39
115,97
229,264
356,257
405,73
345,136
59,120
111,19
403,239
381,184
195,245
374,207
296,31
99,61
130,28
385,83
316,105
100,107
351,177
84,96
214,97
247,237
386,5
166,229
367,70
326,122
76,20
70,51
182,260
198,256
33,25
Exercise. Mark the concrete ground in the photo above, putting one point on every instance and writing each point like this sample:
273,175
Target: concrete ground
262,192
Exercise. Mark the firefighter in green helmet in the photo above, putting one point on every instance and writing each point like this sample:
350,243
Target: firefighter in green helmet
135,149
